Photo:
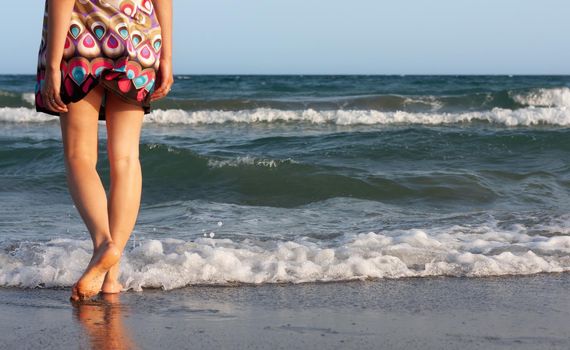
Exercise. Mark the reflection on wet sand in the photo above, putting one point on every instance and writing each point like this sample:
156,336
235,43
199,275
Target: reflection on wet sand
102,320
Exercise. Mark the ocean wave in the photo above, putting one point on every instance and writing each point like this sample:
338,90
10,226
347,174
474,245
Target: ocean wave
174,263
24,115
7,93
439,102
554,97
29,97
248,161
520,117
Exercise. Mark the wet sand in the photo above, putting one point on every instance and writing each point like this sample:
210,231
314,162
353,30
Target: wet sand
523,312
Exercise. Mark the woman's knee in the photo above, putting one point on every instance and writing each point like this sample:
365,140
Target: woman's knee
124,161
74,160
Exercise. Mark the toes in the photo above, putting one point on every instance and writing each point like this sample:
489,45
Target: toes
74,293
79,294
85,296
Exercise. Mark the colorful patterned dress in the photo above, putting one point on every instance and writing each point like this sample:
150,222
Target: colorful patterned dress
116,43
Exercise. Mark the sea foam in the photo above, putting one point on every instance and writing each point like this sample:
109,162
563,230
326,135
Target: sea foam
520,117
174,263
554,97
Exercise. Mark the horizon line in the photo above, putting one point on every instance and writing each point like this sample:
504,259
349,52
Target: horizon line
357,74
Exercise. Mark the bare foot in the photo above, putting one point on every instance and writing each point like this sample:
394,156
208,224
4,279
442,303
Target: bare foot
111,287
90,283
74,293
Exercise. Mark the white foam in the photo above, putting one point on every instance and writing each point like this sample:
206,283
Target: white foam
248,160
431,101
24,115
174,263
526,116
520,117
6,93
235,162
29,97
555,97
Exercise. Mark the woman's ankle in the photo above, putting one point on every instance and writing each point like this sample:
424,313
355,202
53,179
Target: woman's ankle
102,243
113,273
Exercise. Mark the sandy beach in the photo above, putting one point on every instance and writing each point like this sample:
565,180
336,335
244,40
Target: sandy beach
524,312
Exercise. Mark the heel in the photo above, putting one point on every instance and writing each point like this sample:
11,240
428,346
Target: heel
110,255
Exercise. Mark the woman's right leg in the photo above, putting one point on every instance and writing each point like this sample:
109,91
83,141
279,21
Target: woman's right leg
79,135
124,123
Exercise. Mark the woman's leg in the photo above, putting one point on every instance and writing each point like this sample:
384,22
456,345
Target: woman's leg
79,135
124,123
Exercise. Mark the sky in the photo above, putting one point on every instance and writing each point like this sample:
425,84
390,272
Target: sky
341,37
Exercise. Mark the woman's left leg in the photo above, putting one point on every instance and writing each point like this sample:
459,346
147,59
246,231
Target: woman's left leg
79,136
124,123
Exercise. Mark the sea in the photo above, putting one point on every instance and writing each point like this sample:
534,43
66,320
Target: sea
253,179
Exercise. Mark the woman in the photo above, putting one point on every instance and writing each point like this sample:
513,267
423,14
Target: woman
104,59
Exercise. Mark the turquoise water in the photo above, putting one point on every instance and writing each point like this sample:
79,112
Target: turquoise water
266,179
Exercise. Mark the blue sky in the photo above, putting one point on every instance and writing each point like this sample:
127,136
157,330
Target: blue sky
342,37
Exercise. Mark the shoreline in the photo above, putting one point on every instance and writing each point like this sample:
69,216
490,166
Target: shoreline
522,312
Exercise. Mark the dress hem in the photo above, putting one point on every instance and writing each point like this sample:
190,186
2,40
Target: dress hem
102,111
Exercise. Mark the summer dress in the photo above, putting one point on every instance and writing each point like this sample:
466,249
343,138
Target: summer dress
116,43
